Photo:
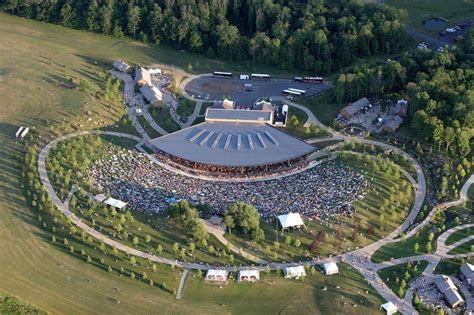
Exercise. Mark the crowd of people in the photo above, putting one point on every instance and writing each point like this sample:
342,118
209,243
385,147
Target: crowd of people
317,193
232,171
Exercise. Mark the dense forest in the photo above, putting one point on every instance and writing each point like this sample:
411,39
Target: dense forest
312,35
439,87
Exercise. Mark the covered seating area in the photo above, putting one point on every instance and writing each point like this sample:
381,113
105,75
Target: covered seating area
216,276
290,220
389,307
295,272
249,275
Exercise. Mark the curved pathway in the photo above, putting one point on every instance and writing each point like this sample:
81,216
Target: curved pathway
63,206
463,197
360,259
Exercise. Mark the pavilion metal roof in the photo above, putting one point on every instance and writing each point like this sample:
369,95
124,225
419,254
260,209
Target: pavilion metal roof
232,144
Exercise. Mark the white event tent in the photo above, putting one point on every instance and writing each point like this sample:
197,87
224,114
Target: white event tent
290,220
249,275
295,272
115,203
330,268
390,308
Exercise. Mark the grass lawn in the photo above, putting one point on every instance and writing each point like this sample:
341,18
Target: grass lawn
421,10
275,295
186,107
451,266
323,107
406,247
459,235
148,128
297,128
392,276
467,247
204,106
163,118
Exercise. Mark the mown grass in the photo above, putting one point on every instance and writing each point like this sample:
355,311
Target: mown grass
459,235
464,248
318,294
163,118
421,10
441,222
148,128
186,107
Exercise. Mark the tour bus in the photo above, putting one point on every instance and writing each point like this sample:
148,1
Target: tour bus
260,76
302,92
313,80
291,93
223,74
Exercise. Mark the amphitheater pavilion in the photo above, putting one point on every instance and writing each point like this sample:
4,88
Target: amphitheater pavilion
232,140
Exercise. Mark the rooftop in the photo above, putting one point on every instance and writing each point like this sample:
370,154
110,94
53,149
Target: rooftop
240,115
232,144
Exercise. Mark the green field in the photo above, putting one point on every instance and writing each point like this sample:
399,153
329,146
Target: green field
421,10
36,61
459,235
467,247
274,295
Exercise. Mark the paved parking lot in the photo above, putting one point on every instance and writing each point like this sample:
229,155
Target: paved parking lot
213,88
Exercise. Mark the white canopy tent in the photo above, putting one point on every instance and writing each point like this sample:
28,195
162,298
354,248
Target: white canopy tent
390,308
330,268
295,272
249,275
216,275
290,220
115,203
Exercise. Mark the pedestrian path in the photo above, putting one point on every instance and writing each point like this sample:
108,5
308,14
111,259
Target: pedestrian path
184,277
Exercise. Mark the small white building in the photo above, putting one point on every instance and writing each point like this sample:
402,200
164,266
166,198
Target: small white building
249,275
389,307
121,66
295,272
216,275
330,268
115,203
290,220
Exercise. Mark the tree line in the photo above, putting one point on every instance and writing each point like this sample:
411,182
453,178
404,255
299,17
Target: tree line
438,85
314,35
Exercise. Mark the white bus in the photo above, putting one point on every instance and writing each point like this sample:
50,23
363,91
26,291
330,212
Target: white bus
303,92
318,80
223,74
291,93
260,76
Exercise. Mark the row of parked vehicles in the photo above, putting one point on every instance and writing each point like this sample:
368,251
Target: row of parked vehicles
454,29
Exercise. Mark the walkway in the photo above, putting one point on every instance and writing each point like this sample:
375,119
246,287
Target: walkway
64,206
184,277
146,114
463,197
